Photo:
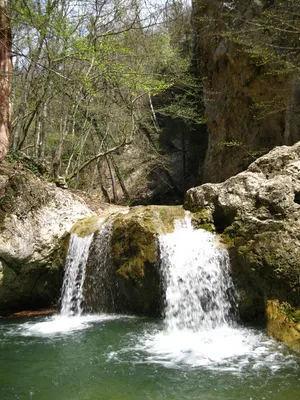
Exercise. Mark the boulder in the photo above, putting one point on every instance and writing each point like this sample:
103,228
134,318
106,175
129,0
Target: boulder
257,212
35,217
283,323
122,272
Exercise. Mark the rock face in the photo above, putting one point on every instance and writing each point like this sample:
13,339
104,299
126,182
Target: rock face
258,214
123,267
245,105
34,219
283,323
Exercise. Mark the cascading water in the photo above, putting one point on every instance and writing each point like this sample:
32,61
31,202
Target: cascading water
72,290
200,327
71,317
199,291
197,353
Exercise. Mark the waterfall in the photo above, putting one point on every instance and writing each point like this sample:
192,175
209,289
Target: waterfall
199,291
72,290
100,277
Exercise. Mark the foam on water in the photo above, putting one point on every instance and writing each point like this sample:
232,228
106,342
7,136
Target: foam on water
61,325
199,326
225,348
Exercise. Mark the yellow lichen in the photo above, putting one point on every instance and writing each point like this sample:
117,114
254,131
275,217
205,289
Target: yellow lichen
134,238
281,325
86,226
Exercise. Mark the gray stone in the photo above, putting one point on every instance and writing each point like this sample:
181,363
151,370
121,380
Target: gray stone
258,214
35,218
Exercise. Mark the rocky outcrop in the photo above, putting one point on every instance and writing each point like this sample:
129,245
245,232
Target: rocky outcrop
258,214
123,267
283,323
35,217
249,107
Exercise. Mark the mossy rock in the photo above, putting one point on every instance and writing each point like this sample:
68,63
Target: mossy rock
283,323
137,286
202,219
134,237
208,227
87,226
29,288
21,193
275,255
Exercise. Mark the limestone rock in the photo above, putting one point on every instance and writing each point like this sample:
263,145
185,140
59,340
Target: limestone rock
282,323
248,110
129,280
258,214
35,217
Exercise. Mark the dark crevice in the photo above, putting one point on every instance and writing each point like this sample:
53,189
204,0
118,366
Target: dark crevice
297,198
222,220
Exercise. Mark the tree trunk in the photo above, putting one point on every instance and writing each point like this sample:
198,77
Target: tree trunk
58,153
113,181
120,179
5,79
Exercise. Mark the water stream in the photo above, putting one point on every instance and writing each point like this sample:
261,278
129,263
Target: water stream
199,351
200,295
72,290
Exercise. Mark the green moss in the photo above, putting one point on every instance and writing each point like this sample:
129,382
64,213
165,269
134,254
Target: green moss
160,219
86,226
295,316
207,227
283,323
292,313
168,215
227,240
60,256
133,269
134,238
133,246
21,194
203,219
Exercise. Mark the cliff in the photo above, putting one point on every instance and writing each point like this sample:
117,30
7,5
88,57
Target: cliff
251,94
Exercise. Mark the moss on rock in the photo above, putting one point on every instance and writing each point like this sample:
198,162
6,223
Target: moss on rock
137,282
35,217
87,226
134,238
283,323
202,217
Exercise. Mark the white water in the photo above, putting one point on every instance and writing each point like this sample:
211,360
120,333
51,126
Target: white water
196,274
71,318
61,325
72,290
199,325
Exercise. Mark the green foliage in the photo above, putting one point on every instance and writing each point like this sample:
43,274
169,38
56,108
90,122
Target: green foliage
265,109
16,157
271,37
84,79
184,107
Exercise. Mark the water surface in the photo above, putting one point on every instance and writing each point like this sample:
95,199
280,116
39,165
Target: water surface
125,358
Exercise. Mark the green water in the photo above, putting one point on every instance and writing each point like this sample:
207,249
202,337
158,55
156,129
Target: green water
132,358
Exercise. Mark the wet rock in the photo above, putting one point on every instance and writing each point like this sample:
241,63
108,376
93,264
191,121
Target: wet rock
35,217
282,323
129,280
257,212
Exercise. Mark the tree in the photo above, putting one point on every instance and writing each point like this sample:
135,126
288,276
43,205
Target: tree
86,76
5,78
